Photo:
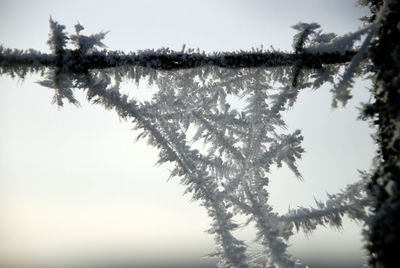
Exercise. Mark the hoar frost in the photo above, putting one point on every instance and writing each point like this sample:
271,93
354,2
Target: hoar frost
231,176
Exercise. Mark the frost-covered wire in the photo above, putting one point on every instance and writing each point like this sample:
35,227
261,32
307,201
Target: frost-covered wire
231,174
352,201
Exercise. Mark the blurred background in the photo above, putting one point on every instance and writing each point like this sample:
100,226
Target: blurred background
76,190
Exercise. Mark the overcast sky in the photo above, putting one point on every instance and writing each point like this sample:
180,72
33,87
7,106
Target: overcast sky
75,185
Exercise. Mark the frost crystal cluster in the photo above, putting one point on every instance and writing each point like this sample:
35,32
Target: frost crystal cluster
231,104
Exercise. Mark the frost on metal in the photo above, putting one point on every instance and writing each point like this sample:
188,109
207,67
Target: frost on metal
230,175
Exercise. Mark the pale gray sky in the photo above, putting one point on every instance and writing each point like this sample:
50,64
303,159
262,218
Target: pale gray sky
74,183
